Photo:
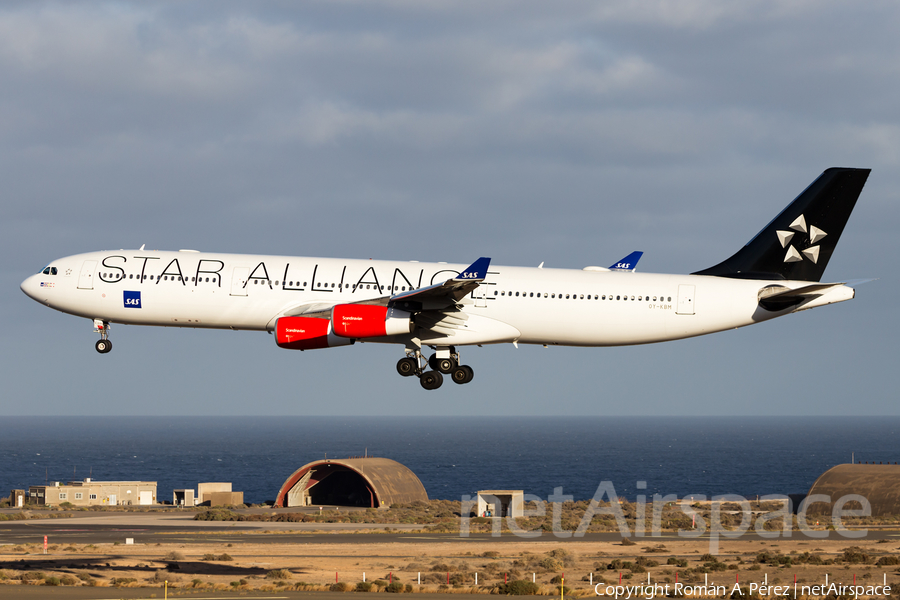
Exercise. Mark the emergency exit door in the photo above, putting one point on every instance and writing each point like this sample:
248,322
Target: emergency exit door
685,300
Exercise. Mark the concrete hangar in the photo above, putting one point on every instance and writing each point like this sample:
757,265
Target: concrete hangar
370,482
878,484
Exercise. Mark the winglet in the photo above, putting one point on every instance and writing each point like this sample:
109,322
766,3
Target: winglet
629,263
476,271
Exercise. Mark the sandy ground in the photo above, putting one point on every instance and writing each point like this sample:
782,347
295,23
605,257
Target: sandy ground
318,564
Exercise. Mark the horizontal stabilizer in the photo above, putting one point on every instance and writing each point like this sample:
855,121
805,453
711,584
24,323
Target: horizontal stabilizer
779,297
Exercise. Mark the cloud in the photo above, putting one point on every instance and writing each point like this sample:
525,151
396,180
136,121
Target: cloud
569,133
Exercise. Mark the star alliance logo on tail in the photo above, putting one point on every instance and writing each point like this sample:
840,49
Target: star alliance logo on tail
813,236
132,299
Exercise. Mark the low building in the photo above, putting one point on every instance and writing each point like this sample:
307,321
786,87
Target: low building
183,498
218,494
94,493
501,503
17,499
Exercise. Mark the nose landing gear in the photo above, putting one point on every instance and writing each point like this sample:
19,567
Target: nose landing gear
103,345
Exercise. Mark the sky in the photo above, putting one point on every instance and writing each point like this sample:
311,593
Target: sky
569,133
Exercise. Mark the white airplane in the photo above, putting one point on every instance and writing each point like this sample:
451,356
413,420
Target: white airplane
312,303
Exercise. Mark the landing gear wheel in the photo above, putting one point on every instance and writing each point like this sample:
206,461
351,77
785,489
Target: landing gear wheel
462,374
431,380
407,366
433,362
103,346
445,365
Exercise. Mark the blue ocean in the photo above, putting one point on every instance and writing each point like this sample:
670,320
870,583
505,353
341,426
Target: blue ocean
454,456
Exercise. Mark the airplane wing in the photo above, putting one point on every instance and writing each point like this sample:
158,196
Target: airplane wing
435,305
446,293
629,263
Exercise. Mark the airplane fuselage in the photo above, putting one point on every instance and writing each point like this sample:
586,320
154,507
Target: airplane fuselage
591,307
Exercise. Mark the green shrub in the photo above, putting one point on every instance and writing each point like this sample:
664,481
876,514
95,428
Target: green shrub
519,587
888,560
363,586
339,586
854,555
68,580
51,581
32,576
394,588
160,577
278,574
218,514
219,557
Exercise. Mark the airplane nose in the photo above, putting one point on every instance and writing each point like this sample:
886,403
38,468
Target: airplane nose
31,287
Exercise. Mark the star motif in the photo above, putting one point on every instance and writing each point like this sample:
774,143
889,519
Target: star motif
68,271
812,237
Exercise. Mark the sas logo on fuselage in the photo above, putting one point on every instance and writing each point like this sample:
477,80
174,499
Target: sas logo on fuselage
132,299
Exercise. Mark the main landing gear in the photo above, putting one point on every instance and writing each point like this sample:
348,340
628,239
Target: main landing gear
443,362
103,345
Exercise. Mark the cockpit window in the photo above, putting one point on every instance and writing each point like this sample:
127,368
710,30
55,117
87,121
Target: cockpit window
49,271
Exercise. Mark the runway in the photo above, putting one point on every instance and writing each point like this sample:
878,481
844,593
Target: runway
153,528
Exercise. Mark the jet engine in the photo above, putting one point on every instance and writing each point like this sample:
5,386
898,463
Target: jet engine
306,333
367,321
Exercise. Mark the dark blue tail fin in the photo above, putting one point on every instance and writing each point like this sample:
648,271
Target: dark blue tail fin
798,243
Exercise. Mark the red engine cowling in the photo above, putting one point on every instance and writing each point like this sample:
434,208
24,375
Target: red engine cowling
305,333
366,321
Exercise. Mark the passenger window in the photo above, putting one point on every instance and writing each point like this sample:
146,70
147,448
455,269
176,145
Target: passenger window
582,297
670,299
496,292
517,294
